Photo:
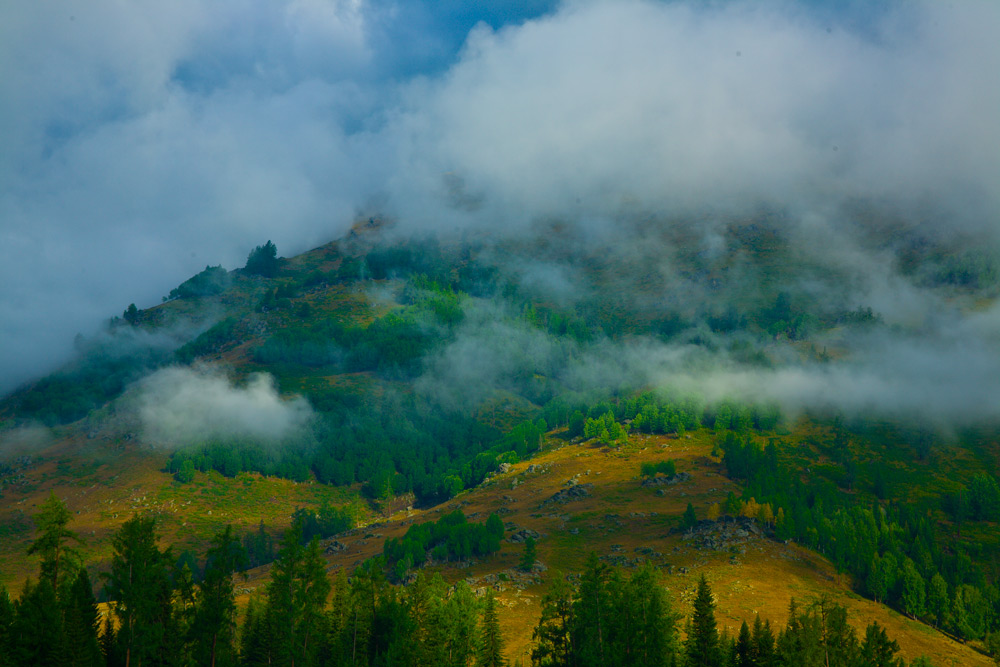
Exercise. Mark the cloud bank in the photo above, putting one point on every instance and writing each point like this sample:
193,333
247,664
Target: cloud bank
141,142
182,406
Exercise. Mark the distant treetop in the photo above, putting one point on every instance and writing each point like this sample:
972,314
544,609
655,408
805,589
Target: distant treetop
263,261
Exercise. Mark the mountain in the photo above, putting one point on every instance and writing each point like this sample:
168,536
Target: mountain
592,385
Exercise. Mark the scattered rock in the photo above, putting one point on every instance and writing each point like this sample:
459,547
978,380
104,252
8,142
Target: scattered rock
334,546
662,480
524,534
574,492
505,467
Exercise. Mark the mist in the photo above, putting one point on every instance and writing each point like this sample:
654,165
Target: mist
143,143
180,406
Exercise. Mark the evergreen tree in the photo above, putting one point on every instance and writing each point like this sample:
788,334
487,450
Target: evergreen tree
139,585
877,650
937,598
37,636
529,556
214,627
82,622
914,590
491,648
690,519
744,648
702,646
589,632
6,627
109,644
263,261
50,544
552,634
763,643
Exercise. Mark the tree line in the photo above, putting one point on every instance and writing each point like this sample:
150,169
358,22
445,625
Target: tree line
158,615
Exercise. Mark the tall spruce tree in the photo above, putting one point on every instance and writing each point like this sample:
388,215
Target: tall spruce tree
57,558
702,647
6,627
491,648
37,632
82,622
552,634
590,615
214,627
139,585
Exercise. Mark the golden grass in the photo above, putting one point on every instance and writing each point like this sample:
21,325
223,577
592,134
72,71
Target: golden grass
763,580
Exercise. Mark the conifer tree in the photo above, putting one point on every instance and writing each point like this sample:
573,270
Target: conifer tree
82,622
690,519
590,614
491,647
37,631
6,627
139,585
529,556
215,611
57,558
702,646
109,647
763,643
552,634
744,648
877,650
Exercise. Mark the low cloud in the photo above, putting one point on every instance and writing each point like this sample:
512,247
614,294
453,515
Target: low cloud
25,439
182,406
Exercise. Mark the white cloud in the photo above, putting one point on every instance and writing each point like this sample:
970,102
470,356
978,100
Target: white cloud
181,406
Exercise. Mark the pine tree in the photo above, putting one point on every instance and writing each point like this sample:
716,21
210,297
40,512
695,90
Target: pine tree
937,598
763,643
529,556
690,519
914,590
82,622
139,584
877,650
589,631
37,631
552,634
6,627
702,646
57,558
491,648
109,644
215,610
744,648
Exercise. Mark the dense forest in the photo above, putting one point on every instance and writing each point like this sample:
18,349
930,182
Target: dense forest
157,612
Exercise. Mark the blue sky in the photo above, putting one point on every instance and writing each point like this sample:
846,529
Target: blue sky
141,141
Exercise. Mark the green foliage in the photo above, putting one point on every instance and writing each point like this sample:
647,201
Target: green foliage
667,468
690,519
210,341
451,537
327,522
59,561
263,261
140,585
104,368
702,647
210,282
529,556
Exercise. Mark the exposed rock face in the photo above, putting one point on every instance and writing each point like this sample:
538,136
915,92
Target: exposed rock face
334,546
574,492
724,535
661,480
523,534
